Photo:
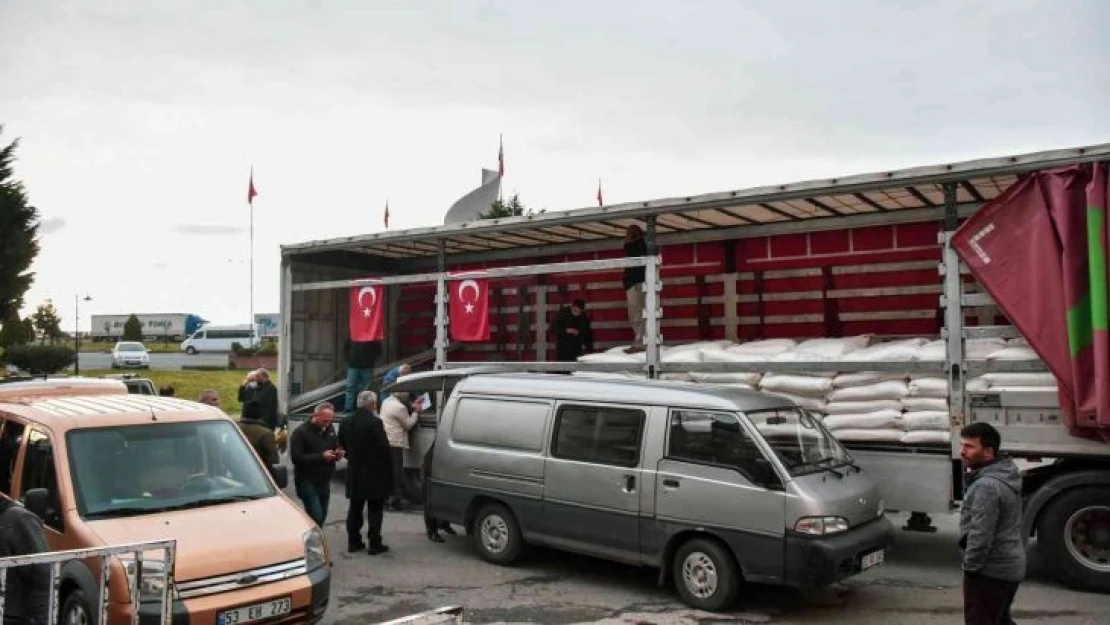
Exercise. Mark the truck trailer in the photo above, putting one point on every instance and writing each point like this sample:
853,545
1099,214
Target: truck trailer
877,254
156,326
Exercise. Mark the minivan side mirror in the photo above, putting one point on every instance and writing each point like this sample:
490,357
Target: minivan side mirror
37,500
281,475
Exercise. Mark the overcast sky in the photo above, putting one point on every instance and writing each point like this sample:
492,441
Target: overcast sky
140,120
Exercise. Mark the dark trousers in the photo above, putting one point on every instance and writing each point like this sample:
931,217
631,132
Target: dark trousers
315,498
987,600
375,510
402,487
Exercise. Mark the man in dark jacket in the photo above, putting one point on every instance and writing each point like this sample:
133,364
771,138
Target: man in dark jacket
267,397
635,246
315,450
361,356
431,524
369,473
259,436
990,528
27,591
573,333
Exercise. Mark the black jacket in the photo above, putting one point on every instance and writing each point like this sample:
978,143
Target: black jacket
266,395
363,354
634,275
570,346
307,445
28,587
369,469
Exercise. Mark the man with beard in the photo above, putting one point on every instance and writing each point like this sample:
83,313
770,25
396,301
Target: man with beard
990,528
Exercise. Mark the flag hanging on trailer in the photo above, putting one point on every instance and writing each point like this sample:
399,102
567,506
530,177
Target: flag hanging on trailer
367,317
1039,249
469,310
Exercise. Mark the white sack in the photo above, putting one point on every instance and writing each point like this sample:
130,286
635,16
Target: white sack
883,419
1018,342
832,349
979,349
610,375
978,383
809,403
691,355
767,346
926,420
718,355
677,377
691,347
796,384
748,379
864,378
862,407
933,350
609,357
889,435
1026,389
925,403
890,351
796,356
1020,379
926,436
890,389
928,387
1014,352
736,385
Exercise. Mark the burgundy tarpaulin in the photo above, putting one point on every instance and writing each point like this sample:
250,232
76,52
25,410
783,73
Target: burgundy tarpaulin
1039,249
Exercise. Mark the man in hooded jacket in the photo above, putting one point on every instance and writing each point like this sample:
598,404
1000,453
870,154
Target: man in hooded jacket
990,528
27,589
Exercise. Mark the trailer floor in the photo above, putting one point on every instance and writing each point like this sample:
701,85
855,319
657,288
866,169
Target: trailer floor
920,584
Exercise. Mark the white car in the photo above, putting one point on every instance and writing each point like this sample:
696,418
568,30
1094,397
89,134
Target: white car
130,354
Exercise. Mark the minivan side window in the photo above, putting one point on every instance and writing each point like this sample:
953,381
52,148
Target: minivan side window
11,435
39,472
712,438
598,434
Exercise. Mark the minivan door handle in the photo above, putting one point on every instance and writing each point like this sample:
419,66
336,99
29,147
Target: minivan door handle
670,483
629,483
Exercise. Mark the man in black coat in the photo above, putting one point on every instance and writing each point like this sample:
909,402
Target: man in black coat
27,591
314,449
573,334
369,473
267,396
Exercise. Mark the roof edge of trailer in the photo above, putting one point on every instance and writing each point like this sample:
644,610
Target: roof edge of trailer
950,172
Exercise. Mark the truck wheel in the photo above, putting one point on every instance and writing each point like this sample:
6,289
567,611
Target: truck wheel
75,610
705,575
497,535
1075,532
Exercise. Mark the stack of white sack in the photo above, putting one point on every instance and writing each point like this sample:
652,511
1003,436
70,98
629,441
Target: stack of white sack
926,426
617,355
1018,381
749,378
809,389
687,353
974,349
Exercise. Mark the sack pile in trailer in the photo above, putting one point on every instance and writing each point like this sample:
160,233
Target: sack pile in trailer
862,407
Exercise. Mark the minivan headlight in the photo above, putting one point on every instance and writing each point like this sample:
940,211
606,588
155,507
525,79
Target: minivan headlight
315,555
821,525
151,582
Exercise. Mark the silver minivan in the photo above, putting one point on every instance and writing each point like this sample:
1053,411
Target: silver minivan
712,485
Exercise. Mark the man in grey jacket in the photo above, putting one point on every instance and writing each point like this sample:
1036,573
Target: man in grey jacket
990,528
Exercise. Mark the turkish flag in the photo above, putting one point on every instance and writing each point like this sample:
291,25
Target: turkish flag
367,321
469,319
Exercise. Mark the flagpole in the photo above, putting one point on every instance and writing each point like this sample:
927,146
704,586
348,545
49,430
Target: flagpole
252,327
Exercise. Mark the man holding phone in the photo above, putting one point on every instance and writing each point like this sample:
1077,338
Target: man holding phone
315,449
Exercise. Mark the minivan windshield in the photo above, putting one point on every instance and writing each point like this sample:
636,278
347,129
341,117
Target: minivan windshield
801,443
143,469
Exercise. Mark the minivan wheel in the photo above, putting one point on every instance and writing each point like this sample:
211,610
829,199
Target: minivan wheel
75,610
191,350
497,535
705,575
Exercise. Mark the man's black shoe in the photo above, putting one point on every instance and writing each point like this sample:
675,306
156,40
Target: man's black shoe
434,537
380,549
450,531
353,547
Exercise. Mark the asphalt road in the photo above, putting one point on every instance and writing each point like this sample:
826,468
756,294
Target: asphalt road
162,362
919,584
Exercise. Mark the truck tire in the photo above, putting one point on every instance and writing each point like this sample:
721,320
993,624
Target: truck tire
497,535
1074,531
705,575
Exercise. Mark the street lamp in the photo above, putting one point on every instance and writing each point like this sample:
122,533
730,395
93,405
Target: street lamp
77,332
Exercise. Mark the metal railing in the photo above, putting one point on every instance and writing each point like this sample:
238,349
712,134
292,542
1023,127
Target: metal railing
105,554
452,614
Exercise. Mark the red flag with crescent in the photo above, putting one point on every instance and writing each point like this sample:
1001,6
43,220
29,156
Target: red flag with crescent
367,322
469,298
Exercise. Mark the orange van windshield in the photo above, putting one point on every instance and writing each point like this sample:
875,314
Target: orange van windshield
143,469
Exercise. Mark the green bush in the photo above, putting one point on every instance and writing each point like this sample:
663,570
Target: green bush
40,358
268,348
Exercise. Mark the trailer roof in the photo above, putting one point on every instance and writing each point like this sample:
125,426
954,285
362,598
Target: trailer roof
914,194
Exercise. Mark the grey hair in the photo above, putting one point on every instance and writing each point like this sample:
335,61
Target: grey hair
322,406
263,372
209,392
367,399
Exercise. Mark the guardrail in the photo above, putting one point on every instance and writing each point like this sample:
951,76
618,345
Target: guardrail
136,550
452,614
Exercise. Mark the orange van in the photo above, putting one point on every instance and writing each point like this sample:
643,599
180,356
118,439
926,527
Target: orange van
105,468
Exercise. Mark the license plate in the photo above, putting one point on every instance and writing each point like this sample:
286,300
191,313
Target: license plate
874,558
257,612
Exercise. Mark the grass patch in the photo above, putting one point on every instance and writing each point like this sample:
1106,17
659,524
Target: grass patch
190,384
